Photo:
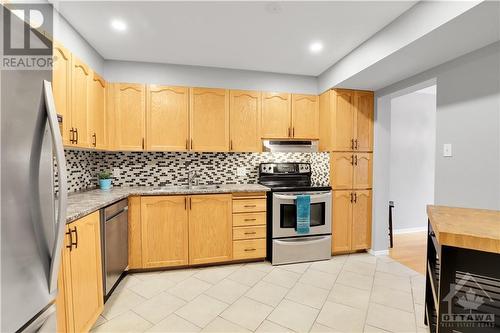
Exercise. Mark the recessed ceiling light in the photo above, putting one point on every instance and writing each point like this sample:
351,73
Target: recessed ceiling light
118,25
316,47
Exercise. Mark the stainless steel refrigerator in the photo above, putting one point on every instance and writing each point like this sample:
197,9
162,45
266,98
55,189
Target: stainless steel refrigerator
33,218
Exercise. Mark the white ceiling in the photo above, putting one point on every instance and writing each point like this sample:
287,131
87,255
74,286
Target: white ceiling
239,35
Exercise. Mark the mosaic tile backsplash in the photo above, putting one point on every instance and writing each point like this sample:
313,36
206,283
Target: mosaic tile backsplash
168,168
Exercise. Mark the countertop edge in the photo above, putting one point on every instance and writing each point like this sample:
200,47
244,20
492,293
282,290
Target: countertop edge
134,191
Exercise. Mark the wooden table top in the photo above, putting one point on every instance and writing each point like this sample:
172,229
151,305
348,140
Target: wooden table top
476,229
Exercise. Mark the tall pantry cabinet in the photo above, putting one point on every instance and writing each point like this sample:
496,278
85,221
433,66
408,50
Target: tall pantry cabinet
346,132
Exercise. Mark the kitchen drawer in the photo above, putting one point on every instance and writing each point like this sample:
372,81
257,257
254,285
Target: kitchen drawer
248,219
249,232
249,205
248,249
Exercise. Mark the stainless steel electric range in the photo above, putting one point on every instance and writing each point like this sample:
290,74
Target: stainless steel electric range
284,244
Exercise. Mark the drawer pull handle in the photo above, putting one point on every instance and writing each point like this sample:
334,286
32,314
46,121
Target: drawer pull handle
249,250
250,233
250,220
250,206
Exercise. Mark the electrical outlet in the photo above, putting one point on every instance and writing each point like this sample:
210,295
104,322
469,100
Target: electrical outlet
116,172
241,171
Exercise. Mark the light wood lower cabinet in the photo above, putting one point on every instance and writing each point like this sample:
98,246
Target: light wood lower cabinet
81,299
164,231
351,221
210,228
173,231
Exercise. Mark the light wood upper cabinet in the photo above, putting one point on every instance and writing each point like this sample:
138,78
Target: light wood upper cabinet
244,115
80,79
164,224
130,112
209,119
362,220
305,116
97,115
341,170
341,221
363,105
362,177
346,120
210,228
276,115
61,86
342,120
82,274
167,118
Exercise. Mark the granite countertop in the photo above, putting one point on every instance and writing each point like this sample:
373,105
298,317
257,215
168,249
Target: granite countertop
84,203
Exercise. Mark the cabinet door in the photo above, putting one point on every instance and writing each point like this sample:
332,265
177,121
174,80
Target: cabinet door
362,220
130,114
363,105
276,116
342,219
305,116
97,116
210,228
325,122
244,110
79,99
209,118
86,272
362,170
343,120
167,118
341,170
164,224
61,86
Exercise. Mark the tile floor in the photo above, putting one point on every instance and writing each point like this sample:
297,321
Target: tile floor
350,293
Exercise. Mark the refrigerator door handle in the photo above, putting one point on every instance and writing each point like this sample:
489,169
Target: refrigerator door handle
63,185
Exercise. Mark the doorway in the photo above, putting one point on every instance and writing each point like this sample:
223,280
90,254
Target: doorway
411,175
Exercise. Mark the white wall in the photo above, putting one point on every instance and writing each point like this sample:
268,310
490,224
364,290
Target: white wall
468,116
71,39
420,20
412,159
198,76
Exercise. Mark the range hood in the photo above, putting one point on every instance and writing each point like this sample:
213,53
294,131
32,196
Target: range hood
297,146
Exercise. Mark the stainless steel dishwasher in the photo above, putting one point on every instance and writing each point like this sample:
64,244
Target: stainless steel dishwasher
114,237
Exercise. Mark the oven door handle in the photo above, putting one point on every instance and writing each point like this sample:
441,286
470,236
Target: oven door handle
294,197
293,241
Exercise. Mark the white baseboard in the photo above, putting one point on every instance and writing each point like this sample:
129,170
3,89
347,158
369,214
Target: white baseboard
379,252
409,230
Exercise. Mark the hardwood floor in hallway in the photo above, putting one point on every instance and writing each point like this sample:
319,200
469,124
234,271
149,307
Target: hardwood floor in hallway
410,250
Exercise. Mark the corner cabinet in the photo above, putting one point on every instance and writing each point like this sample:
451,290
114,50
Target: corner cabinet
210,228
244,115
80,301
129,113
167,118
209,120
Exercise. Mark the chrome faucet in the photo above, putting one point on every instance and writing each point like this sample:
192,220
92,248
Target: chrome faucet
192,180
